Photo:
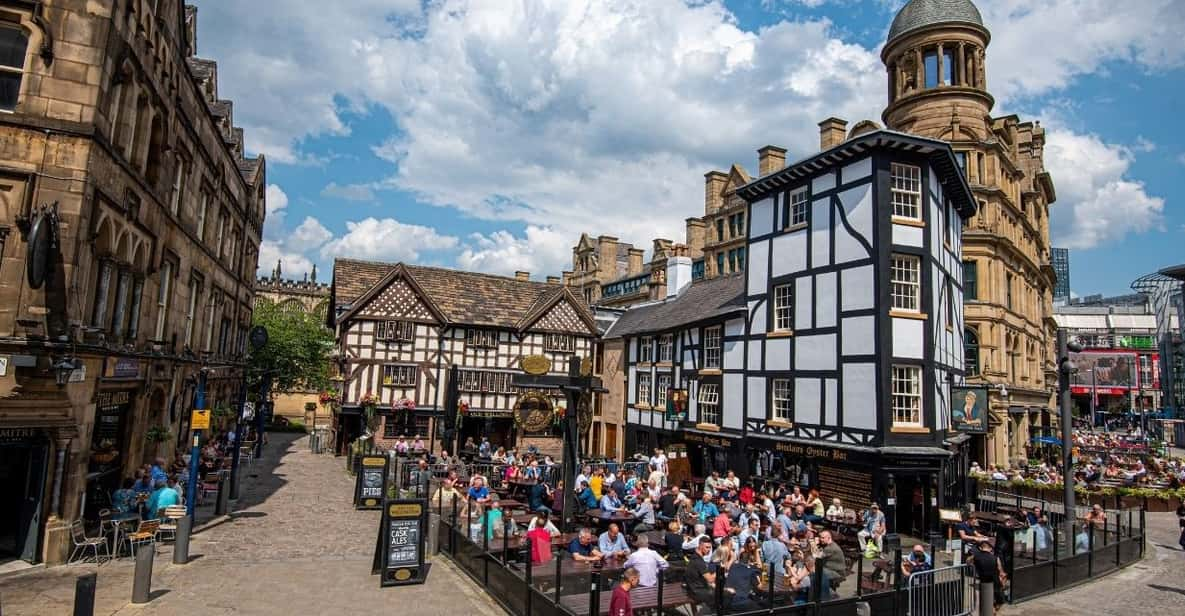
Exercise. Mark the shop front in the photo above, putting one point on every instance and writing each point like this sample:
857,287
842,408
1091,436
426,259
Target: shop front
109,456
24,468
710,451
643,440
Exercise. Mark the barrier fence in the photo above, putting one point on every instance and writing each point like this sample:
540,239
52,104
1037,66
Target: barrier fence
947,591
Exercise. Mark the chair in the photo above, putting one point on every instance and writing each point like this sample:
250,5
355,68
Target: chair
209,485
82,543
145,533
169,523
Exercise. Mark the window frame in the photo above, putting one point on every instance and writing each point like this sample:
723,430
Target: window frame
908,375
783,314
905,181
566,343
662,385
395,331
716,351
971,363
164,297
786,413
666,348
481,338
18,71
645,350
971,282
901,289
392,371
195,290
707,396
798,209
643,388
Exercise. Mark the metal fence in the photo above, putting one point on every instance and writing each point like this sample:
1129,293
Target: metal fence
947,591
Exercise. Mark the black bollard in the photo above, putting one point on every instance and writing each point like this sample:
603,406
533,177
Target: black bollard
142,582
220,505
181,541
84,595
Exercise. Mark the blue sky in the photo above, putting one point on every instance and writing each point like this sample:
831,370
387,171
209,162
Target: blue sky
489,135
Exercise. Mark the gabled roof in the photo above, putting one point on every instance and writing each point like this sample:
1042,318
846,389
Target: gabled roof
701,301
460,298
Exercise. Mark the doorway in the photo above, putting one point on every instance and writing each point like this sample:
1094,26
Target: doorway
500,431
916,509
22,473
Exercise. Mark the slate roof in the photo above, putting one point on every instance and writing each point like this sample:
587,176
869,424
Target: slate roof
702,300
468,298
922,13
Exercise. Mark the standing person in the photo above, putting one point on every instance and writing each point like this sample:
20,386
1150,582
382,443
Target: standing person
483,450
659,461
990,572
648,563
619,603
1181,522
540,541
774,552
698,576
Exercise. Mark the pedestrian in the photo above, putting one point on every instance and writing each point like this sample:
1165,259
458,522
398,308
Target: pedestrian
619,603
1181,522
990,571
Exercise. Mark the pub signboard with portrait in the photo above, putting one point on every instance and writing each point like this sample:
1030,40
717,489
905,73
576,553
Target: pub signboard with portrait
969,410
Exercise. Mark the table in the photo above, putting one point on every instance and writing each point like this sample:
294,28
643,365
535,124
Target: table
598,516
509,504
122,524
520,484
517,542
571,567
1000,519
641,598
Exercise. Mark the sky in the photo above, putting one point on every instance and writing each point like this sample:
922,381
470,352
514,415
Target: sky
489,135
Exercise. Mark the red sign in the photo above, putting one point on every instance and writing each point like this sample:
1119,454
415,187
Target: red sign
1102,391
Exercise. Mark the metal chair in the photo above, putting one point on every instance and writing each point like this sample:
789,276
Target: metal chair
145,533
168,525
208,485
83,542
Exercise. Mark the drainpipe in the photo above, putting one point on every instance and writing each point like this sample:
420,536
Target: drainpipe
63,445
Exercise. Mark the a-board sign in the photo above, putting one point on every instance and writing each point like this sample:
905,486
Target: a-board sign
371,482
399,551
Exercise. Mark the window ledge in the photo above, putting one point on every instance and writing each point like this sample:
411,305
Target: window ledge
910,429
644,364
663,364
780,333
710,372
644,407
902,314
708,427
798,227
778,423
909,222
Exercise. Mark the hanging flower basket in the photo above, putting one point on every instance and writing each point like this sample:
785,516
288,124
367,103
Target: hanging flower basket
463,409
369,402
403,404
330,398
157,434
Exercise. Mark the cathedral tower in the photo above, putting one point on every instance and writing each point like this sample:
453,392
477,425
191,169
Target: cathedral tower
935,60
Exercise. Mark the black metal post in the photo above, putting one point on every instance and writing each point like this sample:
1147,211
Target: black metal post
594,594
142,578
859,575
661,584
84,594
1090,550
238,444
221,503
1065,368
181,541
452,536
506,539
558,568
529,561
721,577
1143,533
485,548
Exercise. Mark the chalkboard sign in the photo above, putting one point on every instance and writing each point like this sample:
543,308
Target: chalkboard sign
399,552
370,485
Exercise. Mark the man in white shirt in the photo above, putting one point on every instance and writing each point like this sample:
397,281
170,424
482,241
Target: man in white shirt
693,541
648,562
659,461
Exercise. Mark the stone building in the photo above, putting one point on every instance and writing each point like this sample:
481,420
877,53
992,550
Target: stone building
309,296
130,224
935,59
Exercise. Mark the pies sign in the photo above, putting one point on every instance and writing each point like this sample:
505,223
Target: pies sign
536,364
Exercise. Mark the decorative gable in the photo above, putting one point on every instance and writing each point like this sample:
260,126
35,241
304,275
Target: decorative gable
398,301
562,317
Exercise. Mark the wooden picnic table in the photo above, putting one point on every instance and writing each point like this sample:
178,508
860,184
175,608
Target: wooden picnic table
517,542
1000,519
509,504
570,567
641,598
598,516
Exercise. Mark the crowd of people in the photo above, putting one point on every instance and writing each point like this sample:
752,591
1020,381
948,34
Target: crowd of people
154,487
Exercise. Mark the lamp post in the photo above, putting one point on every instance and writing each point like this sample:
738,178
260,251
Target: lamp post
199,403
1065,368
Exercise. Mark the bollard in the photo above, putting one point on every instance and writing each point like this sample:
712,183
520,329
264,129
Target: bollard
84,595
221,504
987,598
181,541
142,582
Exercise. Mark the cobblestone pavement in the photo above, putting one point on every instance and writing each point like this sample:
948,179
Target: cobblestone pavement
294,546
1155,585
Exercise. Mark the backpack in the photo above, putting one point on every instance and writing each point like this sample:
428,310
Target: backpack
870,550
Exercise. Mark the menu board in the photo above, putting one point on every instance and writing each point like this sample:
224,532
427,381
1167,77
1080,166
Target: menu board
107,436
852,487
399,552
371,482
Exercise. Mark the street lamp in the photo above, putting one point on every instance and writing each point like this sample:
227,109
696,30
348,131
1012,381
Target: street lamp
1066,367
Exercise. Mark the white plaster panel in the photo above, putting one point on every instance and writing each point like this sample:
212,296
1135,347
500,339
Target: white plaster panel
734,327
907,338
807,401
777,354
821,232
859,396
756,403
831,401
758,256
734,354
825,304
907,235
789,253
733,399
859,335
632,416
933,177
814,352
757,309
803,310
756,348
761,217
823,182
631,390
857,208
857,170
858,291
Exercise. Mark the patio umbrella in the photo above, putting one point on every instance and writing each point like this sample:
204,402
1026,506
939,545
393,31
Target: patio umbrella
1047,440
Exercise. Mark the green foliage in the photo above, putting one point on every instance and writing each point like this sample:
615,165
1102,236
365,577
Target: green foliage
297,350
157,434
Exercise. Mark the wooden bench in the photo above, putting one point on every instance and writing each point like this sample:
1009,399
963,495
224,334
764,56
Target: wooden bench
673,595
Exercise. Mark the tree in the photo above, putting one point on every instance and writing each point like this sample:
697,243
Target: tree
297,350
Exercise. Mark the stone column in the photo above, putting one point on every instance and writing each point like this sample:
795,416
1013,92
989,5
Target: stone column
920,68
60,455
962,64
941,64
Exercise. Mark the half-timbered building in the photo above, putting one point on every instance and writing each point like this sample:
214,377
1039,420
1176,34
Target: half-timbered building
830,361
400,328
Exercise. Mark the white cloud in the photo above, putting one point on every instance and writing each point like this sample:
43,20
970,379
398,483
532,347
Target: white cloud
1097,201
1144,144
386,239
501,252
293,264
349,192
277,204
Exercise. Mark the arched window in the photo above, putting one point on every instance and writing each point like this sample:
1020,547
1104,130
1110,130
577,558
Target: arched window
971,351
291,306
13,43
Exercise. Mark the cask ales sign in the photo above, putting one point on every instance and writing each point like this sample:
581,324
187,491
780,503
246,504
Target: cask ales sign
399,552
370,485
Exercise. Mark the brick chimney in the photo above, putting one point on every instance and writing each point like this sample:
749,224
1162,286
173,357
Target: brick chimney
832,132
714,182
771,158
696,232
521,275
634,264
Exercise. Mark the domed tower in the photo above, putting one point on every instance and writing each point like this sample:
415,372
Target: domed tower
935,62
934,58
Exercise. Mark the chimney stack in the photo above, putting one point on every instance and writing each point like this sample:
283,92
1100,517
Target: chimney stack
521,275
553,280
771,158
634,265
832,132
714,182
678,272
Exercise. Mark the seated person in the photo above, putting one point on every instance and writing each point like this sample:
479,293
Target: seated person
610,502
612,543
673,540
699,578
966,531
705,509
478,491
586,498
917,561
124,499
874,527
538,496
584,547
